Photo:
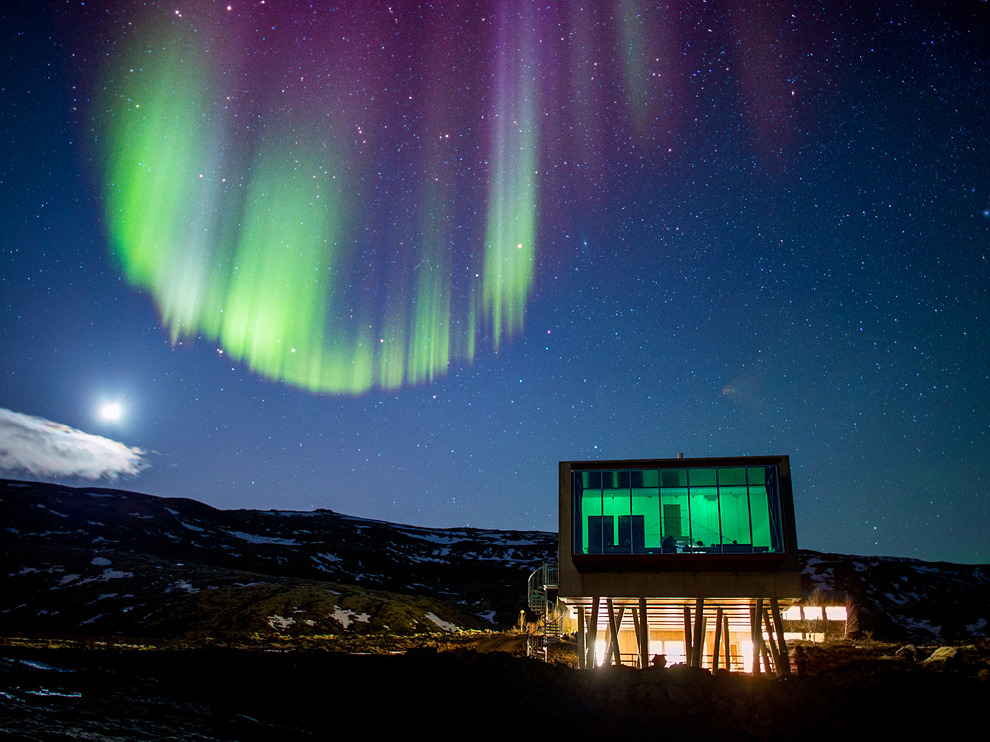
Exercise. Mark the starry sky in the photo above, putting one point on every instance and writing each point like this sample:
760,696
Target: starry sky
399,259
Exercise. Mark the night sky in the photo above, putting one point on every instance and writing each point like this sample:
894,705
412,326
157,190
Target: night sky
398,260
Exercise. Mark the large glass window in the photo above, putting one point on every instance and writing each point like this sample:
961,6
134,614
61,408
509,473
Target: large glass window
646,516
588,496
692,510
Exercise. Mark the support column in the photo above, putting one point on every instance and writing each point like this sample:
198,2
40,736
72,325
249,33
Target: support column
728,642
581,647
718,639
784,665
772,643
757,634
592,631
688,645
613,634
639,635
699,633
766,659
644,643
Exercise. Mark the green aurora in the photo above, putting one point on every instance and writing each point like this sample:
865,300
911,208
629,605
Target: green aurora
255,243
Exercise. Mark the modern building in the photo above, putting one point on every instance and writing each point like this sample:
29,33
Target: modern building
682,560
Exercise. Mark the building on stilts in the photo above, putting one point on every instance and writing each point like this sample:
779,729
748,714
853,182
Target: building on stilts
668,561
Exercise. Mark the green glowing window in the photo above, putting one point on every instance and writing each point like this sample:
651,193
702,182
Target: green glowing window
700,510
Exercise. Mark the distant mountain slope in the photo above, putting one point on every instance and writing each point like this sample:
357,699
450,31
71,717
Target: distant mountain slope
904,599
105,561
113,561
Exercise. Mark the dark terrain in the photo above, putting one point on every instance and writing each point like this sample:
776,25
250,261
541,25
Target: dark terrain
302,693
130,617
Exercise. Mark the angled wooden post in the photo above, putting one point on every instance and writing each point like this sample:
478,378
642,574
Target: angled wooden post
593,630
644,645
771,643
766,659
757,633
613,634
581,647
784,666
728,645
718,639
699,632
688,646
639,633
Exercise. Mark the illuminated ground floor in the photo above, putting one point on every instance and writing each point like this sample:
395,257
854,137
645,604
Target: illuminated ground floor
739,634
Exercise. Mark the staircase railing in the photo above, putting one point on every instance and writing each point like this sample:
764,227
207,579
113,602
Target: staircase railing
551,618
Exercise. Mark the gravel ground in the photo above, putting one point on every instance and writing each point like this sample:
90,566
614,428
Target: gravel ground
302,692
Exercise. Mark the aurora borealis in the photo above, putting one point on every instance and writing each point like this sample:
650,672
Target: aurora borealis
399,259
283,241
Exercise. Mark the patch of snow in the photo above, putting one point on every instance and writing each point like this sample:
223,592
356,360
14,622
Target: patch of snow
100,561
445,625
489,616
191,527
182,585
422,559
56,693
255,539
173,512
42,506
108,574
114,574
68,578
977,626
918,624
346,617
278,622
43,666
141,517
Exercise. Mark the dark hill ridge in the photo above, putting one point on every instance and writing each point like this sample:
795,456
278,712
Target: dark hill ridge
104,561
904,599
111,561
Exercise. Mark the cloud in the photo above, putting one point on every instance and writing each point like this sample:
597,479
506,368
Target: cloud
41,448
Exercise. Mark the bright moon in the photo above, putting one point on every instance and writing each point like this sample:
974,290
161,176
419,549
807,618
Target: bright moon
110,411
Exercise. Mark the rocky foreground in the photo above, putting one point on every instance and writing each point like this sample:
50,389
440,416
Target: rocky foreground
456,688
